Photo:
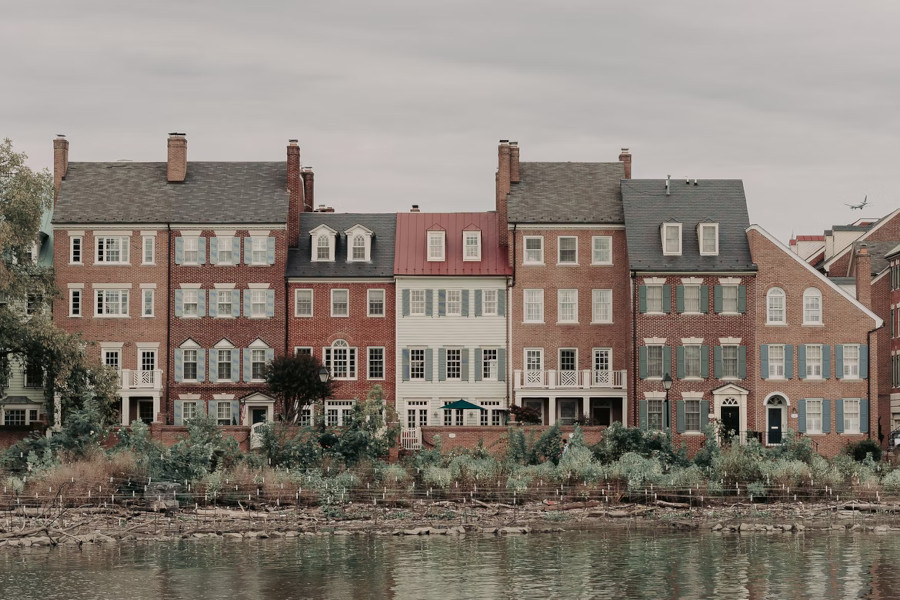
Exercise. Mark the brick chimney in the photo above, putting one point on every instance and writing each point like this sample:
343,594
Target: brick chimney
60,162
295,191
514,162
308,188
176,168
625,157
504,174
864,276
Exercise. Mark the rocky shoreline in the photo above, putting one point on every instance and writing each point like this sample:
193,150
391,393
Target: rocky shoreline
32,528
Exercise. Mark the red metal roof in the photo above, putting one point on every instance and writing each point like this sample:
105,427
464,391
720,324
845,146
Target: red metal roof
810,238
411,247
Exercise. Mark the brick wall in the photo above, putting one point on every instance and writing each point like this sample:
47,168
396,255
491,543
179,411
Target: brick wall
13,434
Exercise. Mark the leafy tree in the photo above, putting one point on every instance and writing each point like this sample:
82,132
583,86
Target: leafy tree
25,195
294,381
370,430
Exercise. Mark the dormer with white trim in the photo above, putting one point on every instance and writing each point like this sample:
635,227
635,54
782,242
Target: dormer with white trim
323,240
359,243
436,244
670,235
708,238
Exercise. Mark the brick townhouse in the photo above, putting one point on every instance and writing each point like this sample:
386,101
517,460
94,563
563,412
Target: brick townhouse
886,297
693,308
570,322
816,368
341,288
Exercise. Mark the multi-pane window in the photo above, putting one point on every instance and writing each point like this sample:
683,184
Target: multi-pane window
14,416
534,366
814,361
568,306
75,250
568,250
376,363
112,303
602,367
223,364
490,416
454,303
303,303
729,298
257,364
692,415
259,248
323,247
189,303
655,361
776,361
189,365
453,417
472,245
340,303
258,302
601,306
435,245
489,363
691,298
149,250
417,303
454,363
534,250
376,303
730,366
359,248
654,298
74,303
692,361
534,306
188,410
709,239
417,414
417,364
851,361
340,359
111,358
223,413
775,306
303,350
226,251
601,250
813,415
223,303
147,303
191,250
568,359
655,415
812,307
851,415
306,417
112,249
672,239
489,302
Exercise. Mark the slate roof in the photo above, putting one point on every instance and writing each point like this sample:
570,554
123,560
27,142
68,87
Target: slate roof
878,254
566,192
383,226
137,192
720,201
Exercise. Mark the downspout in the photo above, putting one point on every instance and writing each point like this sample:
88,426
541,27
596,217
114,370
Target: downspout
169,259
634,354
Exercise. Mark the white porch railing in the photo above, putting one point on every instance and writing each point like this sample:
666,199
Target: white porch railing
411,439
141,380
256,436
584,379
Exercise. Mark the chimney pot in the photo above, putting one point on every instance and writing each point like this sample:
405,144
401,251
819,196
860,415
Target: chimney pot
414,209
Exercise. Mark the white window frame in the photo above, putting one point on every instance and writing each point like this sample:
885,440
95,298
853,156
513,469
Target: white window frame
354,246
693,288
334,302
597,250
437,247
816,313
185,362
536,299
851,367
370,362
76,255
660,309
124,249
776,365
417,358
224,298
330,359
730,305
471,252
225,243
698,359
652,374
667,251
848,422
489,307
490,367
774,295
123,302
527,259
810,428
559,250
811,365
414,303
564,299
702,228
727,359
318,246
298,350
692,411
76,302
372,296
601,299
258,299
148,300
656,414
190,244
148,250
190,297
259,250
224,418
457,361
297,294
254,355
219,362
188,410
453,305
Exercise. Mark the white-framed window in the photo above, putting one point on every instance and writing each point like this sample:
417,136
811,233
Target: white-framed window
340,359
358,250
454,303
568,363
692,415
775,307
111,303
303,303
691,299
534,306
534,250
188,410
813,361
655,415
692,361
112,359
375,302
257,364
436,249
259,250
471,245
324,249
812,307
671,239
258,303
851,361
340,303
567,307
225,246
813,415
534,366
75,254
376,362
147,302
14,416
489,303
601,250
453,417
337,412
601,306
489,364
223,413
417,364
191,247
74,302
851,415
189,299
417,303
709,239
776,361
299,350
654,298
729,299
655,367
567,250
223,364
730,362
224,304
602,366
454,364
189,364
148,246
113,249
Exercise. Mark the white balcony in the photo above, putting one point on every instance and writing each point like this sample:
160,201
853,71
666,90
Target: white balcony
585,379
141,380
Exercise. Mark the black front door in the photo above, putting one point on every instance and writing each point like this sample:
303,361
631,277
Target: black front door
731,421
774,425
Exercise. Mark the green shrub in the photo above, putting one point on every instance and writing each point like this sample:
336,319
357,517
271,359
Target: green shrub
437,477
757,489
891,481
548,447
580,462
860,449
619,440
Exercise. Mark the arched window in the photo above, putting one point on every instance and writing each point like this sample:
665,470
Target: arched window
340,359
323,247
775,306
812,307
359,248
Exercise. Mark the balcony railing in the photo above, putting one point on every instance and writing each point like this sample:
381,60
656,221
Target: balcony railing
584,379
141,380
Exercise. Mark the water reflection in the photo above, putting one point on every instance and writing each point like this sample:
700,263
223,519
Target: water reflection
608,564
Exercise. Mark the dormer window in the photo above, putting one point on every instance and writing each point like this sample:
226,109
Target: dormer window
708,235
359,244
436,246
323,238
471,245
671,239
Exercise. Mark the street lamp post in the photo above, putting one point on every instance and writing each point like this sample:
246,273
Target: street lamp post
667,385
324,376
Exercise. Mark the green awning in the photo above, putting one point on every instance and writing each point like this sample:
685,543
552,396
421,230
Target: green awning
462,405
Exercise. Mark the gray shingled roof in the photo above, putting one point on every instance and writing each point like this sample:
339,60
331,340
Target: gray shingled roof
567,193
383,225
878,253
135,192
720,201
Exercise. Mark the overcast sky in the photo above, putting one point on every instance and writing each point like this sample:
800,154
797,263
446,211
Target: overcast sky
401,102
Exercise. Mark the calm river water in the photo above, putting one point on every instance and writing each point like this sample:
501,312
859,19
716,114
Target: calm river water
606,564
